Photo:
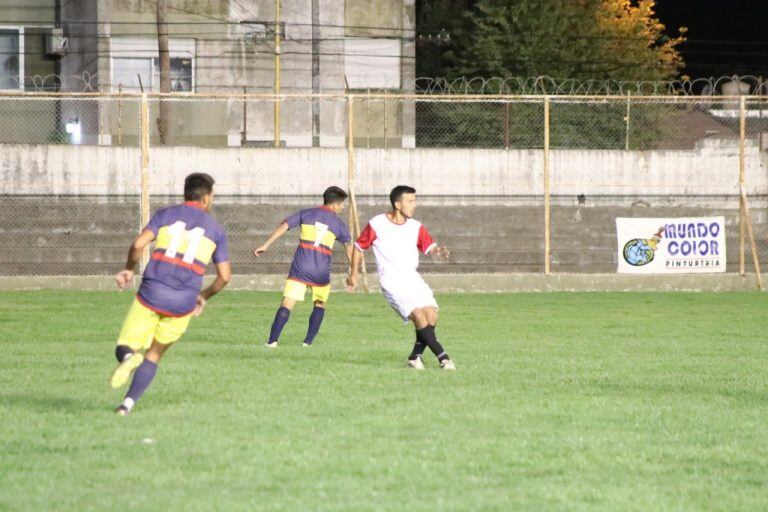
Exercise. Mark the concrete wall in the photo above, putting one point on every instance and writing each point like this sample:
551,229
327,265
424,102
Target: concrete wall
710,170
26,12
86,235
485,205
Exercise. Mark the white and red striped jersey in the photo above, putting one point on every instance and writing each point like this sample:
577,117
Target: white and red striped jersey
396,246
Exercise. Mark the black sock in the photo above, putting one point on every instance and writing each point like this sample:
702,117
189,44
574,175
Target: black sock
418,349
428,337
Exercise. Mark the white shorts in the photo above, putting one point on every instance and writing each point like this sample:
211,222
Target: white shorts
406,293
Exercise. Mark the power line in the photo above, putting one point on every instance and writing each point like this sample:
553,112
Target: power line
219,21
235,38
32,23
233,53
415,37
240,53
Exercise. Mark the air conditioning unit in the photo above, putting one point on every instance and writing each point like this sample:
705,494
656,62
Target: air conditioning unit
56,43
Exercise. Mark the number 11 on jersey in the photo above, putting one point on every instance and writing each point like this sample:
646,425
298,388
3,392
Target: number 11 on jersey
178,234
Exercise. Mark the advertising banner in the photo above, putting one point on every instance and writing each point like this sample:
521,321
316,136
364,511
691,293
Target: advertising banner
668,245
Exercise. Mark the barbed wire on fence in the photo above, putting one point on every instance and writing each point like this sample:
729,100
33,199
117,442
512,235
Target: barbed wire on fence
712,86
83,82
539,85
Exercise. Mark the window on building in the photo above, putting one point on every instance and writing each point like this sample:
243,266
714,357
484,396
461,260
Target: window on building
11,58
136,65
137,72
181,74
134,74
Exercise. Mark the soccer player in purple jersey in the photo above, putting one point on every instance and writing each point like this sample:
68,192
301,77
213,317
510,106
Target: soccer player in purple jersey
311,267
186,239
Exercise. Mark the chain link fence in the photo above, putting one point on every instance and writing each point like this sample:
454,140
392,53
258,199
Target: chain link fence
508,183
70,204
649,158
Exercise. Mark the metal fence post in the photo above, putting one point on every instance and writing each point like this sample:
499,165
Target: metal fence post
368,119
120,115
546,187
745,217
144,201
354,218
385,119
244,132
506,124
627,118
742,163
351,165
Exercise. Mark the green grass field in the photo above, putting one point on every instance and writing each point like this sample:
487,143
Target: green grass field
560,402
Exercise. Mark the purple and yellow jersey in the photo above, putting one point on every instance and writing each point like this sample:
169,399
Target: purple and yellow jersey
320,228
186,239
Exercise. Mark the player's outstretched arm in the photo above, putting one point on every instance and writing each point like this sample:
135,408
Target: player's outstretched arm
125,276
277,233
223,275
349,250
354,267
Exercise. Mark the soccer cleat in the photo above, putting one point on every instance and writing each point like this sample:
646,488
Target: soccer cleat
447,364
124,370
271,344
416,364
122,410
307,344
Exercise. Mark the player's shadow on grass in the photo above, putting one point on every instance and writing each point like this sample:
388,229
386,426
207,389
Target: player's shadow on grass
301,356
44,403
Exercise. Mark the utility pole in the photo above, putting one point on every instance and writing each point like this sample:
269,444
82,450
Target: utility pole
165,68
315,72
277,73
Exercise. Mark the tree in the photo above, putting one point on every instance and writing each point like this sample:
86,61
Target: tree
564,39
582,39
433,18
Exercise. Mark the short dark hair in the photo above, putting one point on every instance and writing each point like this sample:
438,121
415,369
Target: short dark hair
197,185
334,195
398,192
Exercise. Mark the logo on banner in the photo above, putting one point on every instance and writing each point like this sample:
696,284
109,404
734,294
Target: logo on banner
677,245
640,251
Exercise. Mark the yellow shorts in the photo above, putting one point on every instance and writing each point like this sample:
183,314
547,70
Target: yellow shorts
142,325
296,291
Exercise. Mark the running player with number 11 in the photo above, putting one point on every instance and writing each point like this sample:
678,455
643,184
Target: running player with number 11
186,239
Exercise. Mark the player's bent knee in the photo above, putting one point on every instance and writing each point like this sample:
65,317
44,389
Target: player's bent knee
156,351
121,351
419,318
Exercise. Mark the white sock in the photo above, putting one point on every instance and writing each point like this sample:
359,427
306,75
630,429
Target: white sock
128,403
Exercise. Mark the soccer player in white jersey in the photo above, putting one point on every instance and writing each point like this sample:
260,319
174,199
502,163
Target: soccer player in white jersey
397,239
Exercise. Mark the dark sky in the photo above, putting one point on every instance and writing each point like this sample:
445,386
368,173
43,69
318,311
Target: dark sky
725,37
